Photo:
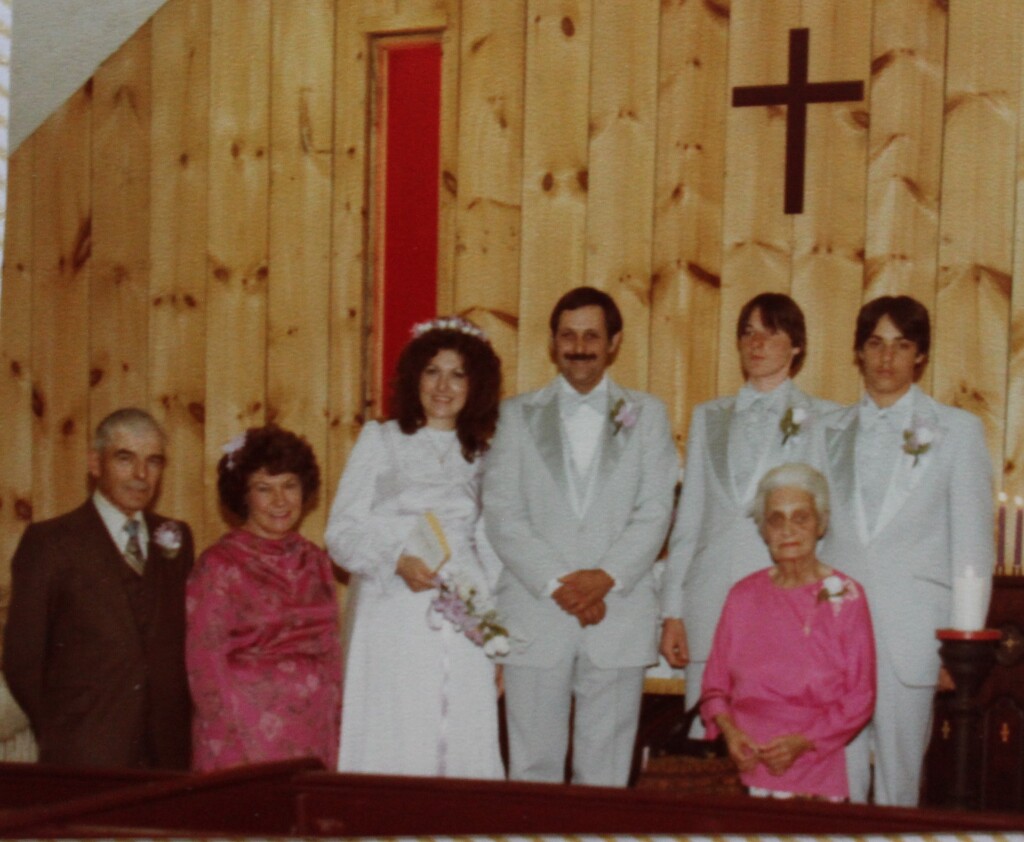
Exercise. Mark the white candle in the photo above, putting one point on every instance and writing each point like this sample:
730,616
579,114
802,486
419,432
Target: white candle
1001,535
970,601
1018,536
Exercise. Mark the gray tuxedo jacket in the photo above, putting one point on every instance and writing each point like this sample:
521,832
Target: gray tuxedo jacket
935,521
715,541
533,527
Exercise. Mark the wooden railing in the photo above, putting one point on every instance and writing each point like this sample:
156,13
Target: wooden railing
293,799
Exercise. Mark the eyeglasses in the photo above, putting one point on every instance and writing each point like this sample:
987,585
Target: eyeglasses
801,518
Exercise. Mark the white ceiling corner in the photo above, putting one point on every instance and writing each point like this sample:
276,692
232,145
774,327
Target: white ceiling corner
56,45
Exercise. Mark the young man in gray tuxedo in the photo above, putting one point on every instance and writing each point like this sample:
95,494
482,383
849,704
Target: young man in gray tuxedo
94,644
577,499
733,442
911,483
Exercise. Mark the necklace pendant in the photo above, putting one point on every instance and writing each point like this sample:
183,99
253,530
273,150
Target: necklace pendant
442,452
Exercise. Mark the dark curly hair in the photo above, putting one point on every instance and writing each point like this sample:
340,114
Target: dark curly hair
277,450
475,424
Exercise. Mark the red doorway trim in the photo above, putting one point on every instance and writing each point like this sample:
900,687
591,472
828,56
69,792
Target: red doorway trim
406,182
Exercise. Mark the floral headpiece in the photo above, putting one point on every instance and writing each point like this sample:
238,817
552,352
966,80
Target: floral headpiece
231,447
456,323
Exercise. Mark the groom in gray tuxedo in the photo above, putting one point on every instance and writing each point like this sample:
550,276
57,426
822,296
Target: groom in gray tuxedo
577,498
911,483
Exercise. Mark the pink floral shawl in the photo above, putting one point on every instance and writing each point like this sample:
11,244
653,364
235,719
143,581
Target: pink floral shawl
263,652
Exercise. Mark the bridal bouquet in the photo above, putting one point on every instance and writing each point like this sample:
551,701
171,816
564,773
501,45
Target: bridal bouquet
471,612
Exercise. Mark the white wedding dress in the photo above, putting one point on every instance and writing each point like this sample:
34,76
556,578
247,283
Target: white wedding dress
419,697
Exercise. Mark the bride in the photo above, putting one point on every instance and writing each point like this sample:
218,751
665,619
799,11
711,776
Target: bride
420,693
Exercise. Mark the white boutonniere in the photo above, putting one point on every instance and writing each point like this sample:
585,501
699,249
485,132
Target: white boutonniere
919,439
792,421
623,415
168,537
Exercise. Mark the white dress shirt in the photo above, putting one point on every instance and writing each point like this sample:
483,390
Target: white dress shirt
582,418
114,519
754,423
878,447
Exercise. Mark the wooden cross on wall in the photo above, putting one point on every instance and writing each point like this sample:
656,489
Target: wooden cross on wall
796,94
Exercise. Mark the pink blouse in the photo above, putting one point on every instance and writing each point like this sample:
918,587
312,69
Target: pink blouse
794,661
263,652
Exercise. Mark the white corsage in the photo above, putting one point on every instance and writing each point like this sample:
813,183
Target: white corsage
792,421
918,439
168,537
835,591
624,415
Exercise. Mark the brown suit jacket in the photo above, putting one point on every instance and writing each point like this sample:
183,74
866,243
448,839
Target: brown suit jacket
97,660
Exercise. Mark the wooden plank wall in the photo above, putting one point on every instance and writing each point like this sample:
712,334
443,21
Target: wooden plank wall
189,231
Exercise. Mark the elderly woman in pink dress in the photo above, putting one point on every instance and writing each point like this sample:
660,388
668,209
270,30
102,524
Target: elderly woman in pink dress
262,644
791,675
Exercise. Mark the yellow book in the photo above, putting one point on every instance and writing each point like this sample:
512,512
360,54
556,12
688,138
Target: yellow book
428,542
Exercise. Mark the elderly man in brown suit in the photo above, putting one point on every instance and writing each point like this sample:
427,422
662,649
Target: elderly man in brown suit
94,644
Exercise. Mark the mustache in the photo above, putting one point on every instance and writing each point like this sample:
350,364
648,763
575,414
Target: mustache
579,358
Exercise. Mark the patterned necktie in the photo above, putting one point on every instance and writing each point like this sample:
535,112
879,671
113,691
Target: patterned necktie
133,549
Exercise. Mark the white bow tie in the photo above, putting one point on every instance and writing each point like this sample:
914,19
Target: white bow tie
750,401
869,415
572,401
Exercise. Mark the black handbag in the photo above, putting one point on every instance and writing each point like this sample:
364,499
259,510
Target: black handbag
672,760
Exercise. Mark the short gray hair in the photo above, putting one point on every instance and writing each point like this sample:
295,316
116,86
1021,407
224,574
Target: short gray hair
131,418
793,475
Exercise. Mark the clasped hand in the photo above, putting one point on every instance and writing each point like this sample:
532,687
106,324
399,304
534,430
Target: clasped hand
582,594
777,754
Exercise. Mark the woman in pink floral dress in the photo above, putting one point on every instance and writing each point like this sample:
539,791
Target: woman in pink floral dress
791,675
262,645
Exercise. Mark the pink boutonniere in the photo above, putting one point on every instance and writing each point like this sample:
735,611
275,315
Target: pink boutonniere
168,537
623,415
